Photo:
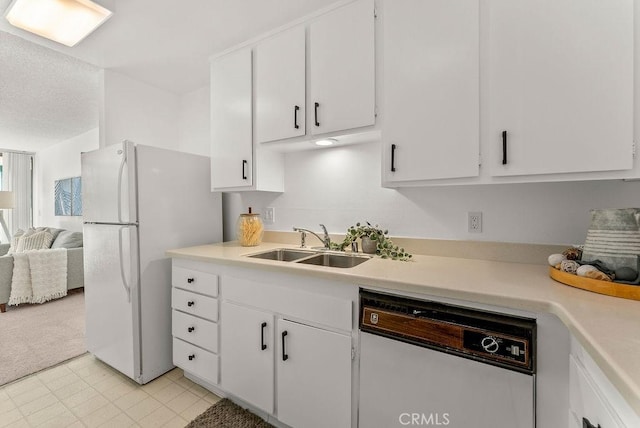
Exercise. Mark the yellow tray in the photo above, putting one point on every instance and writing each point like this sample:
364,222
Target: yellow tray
614,289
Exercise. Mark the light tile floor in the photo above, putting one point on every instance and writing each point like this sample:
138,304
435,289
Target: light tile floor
84,392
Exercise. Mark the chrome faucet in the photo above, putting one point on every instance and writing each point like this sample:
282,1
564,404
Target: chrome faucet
326,241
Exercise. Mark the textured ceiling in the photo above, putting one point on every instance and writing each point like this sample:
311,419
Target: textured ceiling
45,96
165,43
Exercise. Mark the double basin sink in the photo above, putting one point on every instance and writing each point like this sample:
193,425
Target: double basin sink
310,257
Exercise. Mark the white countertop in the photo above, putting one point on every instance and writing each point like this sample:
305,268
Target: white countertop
607,327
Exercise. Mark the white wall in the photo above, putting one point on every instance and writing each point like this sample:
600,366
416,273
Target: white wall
341,186
193,123
136,111
59,161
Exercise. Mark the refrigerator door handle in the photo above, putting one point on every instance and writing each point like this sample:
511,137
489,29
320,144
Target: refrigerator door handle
120,174
122,274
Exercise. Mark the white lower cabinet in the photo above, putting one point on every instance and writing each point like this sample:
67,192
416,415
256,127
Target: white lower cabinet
194,323
313,376
593,400
247,363
296,369
195,360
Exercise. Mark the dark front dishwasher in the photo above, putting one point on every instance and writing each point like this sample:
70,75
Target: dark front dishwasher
426,363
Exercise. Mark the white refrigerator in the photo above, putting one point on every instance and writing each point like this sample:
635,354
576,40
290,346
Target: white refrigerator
139,201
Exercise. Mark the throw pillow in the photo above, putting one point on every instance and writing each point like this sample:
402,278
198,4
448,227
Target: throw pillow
14,241
36,241
52,230
68,239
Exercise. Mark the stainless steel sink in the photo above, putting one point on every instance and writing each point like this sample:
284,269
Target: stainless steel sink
334,260
310,257
283,254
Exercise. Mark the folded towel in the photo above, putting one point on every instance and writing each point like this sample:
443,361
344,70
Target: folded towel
21,290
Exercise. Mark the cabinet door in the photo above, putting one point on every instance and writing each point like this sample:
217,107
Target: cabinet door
280,86
247,350
587,400
431,89
231,121
560,85
314,376
342,67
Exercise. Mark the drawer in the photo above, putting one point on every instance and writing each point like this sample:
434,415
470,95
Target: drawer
194,280
195,304
312,307
197,361
195,330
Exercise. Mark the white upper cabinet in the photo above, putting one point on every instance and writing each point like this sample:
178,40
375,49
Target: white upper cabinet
236,165
560,87
430,73
231,121
342,69
280,86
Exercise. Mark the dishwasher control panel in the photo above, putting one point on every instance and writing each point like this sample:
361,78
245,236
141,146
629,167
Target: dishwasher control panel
503,340
496,345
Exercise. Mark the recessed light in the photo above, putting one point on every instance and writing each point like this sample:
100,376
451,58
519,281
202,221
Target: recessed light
63,21
326,142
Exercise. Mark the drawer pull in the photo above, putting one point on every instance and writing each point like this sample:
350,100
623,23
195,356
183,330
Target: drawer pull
244,172
191,329
587,424
295,116
504,147
190,280
285,357
393,158
192,357
263,346
191,303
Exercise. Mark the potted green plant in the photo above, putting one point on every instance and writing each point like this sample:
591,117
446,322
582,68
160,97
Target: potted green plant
374,241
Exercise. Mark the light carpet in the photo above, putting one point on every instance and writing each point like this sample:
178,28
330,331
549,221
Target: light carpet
35,337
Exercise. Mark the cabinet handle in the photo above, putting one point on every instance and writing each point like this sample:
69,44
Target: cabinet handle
191,303
263,346
285,357
587,424
316,105
504,147
190,280
295,116
191,329
244,172
192,357
393,158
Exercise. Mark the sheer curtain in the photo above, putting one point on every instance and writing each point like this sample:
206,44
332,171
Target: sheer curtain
17,176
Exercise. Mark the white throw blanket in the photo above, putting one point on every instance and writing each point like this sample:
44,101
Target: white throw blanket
39,276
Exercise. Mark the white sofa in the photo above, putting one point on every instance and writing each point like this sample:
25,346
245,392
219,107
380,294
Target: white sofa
64,239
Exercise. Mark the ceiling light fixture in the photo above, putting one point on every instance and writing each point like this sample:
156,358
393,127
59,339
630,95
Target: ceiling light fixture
326,142
63,21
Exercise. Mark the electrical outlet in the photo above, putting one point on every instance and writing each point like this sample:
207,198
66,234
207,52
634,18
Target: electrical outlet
475,222
269,215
